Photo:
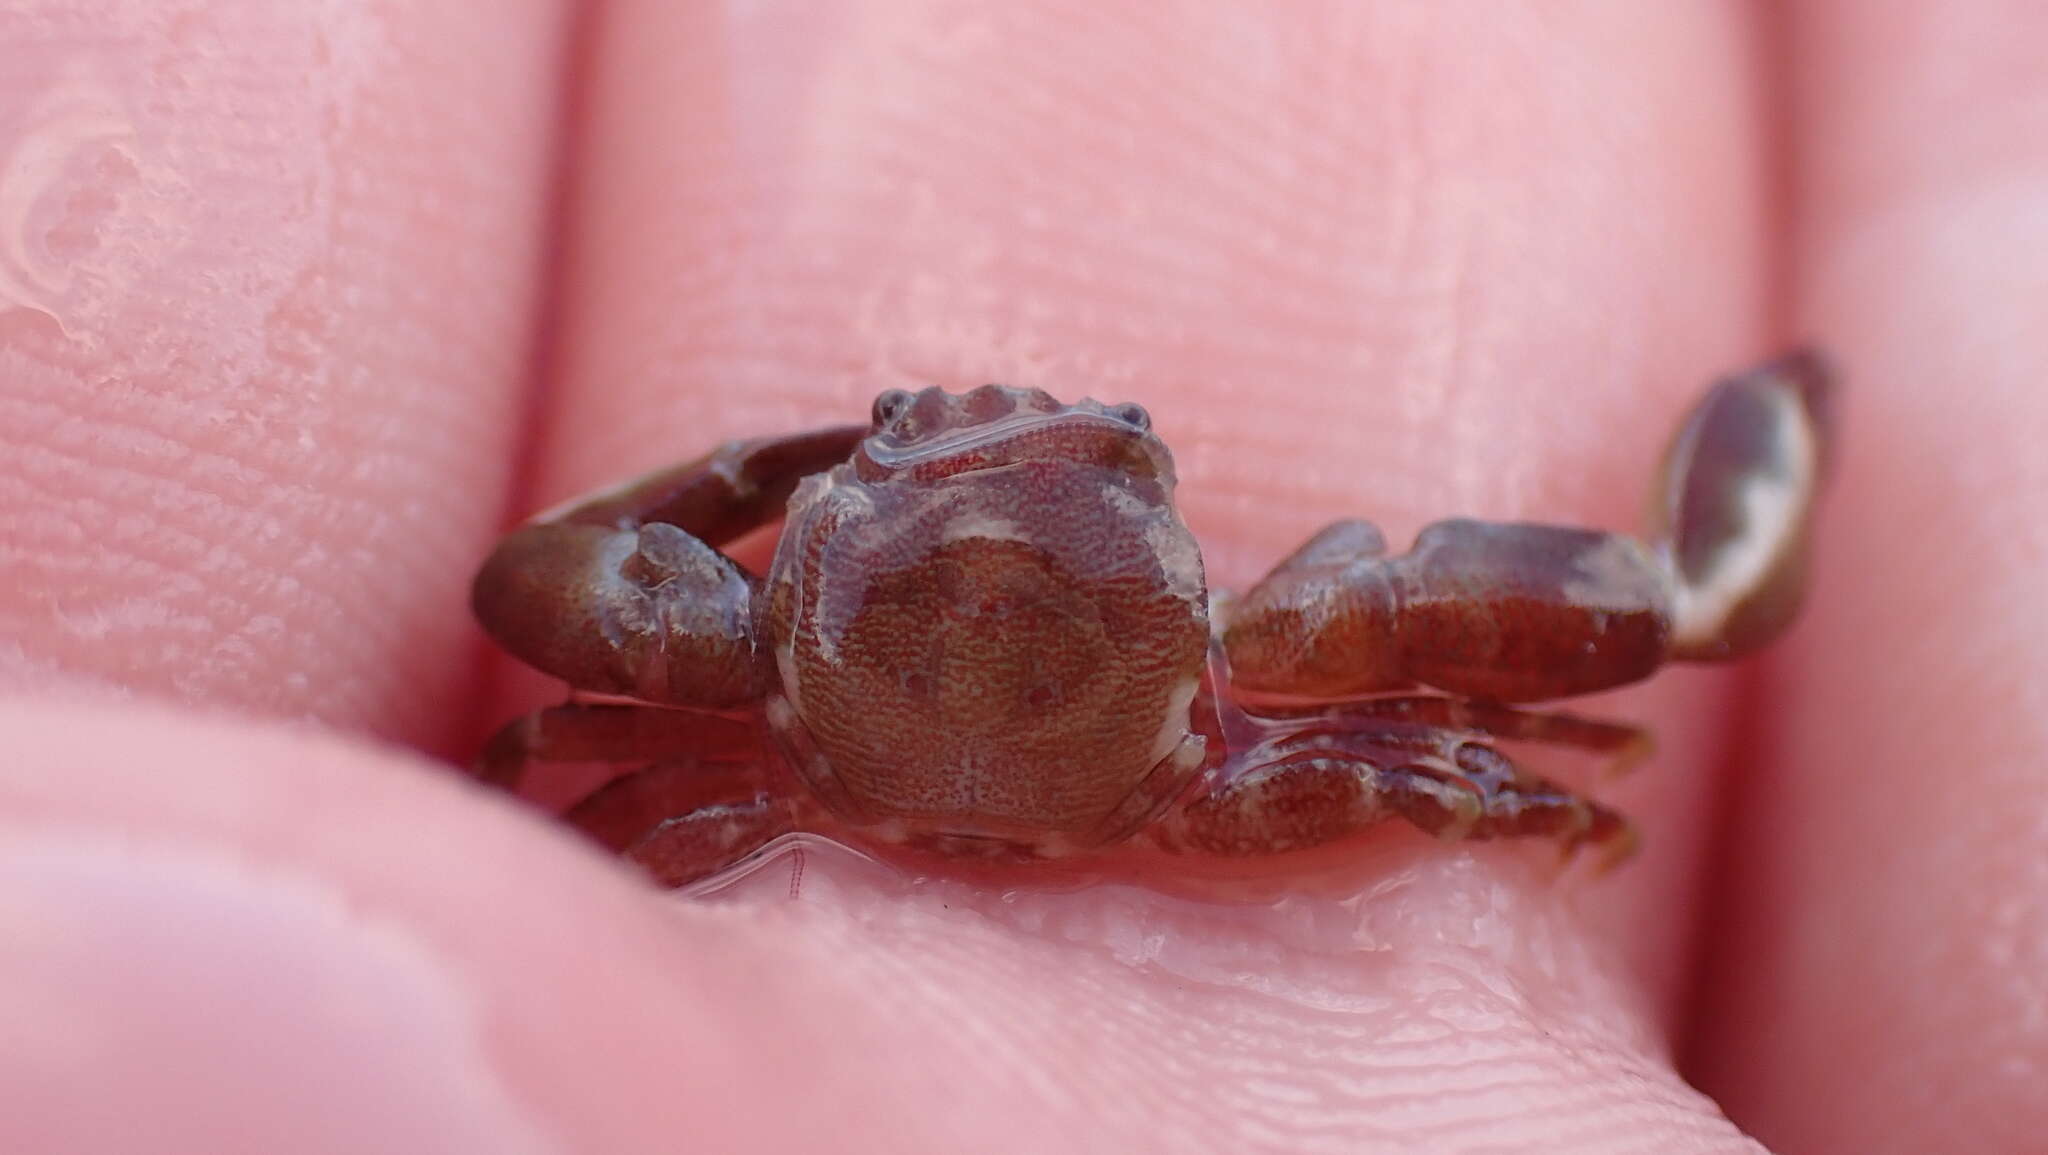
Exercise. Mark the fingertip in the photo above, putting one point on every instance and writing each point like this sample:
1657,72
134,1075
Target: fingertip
261,938
230,1007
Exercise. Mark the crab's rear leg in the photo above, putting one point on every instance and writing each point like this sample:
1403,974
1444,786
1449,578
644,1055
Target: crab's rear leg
701,800
1517,612
625,592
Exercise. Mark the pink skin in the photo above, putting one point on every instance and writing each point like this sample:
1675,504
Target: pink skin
262,396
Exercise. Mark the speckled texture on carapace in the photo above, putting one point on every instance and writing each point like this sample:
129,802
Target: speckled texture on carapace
993,621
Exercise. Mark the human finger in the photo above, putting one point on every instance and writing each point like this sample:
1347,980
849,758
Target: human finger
1878,983
267,280
237,938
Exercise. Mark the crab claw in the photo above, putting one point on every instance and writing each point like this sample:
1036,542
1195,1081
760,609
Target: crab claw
1734,505
651,613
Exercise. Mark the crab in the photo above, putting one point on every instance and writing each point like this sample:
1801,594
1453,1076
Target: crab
986,631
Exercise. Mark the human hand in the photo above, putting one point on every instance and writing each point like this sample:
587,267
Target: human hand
275,293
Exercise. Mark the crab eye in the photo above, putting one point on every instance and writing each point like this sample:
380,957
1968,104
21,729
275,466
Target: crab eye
1131,413
890,405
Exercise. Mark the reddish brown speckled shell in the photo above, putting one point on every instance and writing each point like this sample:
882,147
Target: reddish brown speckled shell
1003,650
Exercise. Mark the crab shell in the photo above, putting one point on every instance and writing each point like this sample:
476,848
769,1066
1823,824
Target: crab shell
1004,577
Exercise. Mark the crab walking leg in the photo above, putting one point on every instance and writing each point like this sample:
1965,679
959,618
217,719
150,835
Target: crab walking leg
619,734
1624,745
681,823
626,593
1312,796
703,804
740,486
705,841
1516,612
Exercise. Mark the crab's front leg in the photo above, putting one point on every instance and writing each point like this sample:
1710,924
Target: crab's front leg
626,592
1499,613
1518,613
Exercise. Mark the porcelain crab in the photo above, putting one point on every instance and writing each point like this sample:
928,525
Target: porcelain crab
986,631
